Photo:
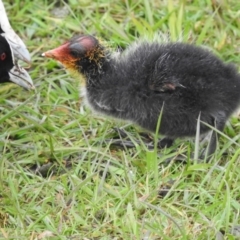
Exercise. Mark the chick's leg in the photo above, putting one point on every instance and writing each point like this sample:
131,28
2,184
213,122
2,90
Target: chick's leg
218,122
214,138
165,142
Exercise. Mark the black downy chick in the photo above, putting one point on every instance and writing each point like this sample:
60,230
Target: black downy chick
9,72
181,80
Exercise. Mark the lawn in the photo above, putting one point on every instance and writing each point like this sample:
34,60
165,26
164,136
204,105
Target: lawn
60,176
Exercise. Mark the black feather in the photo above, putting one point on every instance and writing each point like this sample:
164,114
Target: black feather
6,63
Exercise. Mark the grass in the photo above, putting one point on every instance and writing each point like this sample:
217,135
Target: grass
90,190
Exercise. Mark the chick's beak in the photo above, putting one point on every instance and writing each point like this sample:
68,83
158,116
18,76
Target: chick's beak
21,77
49,54
19,49
60,53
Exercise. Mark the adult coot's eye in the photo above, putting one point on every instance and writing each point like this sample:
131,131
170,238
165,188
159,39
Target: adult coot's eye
3,56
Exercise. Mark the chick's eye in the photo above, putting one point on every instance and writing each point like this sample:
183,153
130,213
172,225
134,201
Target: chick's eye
3,56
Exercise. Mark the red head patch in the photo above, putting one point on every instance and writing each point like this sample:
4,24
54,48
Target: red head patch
75,49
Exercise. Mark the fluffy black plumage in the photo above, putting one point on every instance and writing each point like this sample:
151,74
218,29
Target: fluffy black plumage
180,79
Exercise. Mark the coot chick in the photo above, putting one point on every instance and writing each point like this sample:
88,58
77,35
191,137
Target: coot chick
9,72
181,80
